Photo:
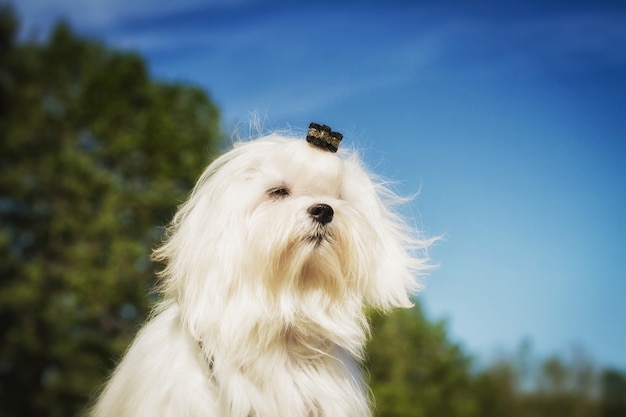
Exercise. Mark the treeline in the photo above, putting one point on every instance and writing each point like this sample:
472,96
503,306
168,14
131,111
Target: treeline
417,371
94,158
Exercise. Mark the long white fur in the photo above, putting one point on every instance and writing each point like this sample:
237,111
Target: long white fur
263,311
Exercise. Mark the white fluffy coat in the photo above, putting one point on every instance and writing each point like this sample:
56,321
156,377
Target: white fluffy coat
263,311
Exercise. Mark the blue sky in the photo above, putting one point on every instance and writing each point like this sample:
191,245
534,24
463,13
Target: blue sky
509,119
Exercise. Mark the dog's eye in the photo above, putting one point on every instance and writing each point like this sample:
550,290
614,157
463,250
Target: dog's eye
278,192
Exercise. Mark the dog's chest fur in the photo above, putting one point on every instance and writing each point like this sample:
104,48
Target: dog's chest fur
294,375
172,374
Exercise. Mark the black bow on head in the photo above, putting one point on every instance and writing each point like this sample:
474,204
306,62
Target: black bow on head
322,137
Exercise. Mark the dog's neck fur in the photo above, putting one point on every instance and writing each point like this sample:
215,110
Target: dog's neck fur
316,377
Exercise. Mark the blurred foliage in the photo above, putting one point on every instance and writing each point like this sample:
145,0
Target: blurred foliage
416,371
94,158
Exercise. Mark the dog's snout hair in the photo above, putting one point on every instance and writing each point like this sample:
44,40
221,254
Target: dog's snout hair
321,213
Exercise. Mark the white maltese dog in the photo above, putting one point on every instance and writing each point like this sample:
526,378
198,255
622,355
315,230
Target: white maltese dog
270,265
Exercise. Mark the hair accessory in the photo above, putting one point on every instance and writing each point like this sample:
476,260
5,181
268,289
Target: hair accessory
322,137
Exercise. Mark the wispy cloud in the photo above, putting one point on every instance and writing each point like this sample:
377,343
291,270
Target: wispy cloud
406,36
254,54
102,15
560,41
581,39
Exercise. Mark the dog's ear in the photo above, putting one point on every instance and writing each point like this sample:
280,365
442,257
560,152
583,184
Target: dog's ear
393,248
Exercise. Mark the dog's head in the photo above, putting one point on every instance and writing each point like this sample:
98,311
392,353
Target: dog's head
281,228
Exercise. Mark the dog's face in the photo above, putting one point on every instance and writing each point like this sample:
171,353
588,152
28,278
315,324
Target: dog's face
298,232
302,222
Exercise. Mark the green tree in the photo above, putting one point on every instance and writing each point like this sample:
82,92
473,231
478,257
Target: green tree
613,397
415,370
94,158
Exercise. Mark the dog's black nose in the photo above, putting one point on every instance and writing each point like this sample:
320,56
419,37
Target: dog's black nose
322,213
